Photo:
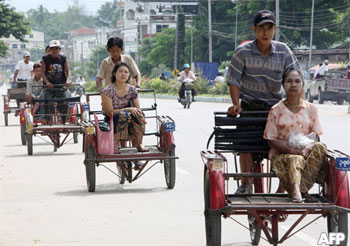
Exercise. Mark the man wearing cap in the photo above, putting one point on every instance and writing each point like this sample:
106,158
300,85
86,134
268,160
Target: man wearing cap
255,76
23,71
322,71
55,73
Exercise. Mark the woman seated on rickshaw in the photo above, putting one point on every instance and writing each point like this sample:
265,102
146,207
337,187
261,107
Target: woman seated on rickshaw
122,100
297,160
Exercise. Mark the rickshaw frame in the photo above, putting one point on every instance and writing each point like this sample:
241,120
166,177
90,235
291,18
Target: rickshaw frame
263,208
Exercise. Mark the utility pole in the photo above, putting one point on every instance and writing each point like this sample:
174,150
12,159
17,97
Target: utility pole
210,33
191,39
176,37
236,25
311,31
277,35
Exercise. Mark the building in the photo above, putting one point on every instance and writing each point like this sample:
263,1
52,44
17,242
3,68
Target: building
138,20
16,48
81,43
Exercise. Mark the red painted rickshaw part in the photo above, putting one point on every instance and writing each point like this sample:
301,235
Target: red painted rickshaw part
258,182
337,185
6,103
22,119
217,187
72,112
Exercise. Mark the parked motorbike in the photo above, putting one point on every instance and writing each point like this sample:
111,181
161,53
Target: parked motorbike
188,99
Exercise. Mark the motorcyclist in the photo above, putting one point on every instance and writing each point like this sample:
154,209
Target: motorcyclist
186,74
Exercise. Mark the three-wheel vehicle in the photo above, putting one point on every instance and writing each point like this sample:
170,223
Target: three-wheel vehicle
99,146
55,129
13,96
263,208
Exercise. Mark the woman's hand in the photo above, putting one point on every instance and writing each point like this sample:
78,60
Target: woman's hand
306,151
136,112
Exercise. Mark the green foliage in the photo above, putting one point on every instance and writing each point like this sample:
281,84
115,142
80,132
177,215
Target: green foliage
219,89
107,14
90,85
156,71
11,23
56,25
160,86
201,85
95,60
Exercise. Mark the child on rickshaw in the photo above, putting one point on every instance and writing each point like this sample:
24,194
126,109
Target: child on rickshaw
296,158
121,99
34,87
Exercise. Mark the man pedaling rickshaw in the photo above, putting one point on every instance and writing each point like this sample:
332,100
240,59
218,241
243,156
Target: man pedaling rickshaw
186,74
56,76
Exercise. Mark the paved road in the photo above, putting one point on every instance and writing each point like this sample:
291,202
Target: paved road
44,201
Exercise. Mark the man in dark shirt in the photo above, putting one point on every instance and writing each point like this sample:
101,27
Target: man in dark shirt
56,76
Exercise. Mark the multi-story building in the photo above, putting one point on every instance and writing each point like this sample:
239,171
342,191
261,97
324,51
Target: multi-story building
83,41
16,48
138,20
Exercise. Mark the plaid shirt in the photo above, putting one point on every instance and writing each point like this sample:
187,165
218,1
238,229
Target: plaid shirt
259,77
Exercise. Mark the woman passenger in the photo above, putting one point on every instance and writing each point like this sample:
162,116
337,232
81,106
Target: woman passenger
122,100
297,165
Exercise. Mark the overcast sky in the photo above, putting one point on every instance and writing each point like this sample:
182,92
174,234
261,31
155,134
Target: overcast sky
52,5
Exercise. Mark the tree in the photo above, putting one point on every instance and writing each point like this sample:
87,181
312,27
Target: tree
36,54
11,23
95,60
107,14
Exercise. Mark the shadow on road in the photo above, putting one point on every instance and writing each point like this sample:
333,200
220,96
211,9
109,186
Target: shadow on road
40,154
111,189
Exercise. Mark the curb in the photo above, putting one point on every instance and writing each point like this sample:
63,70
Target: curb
198,98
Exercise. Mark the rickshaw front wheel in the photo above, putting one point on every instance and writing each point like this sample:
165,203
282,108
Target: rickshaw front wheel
6,118
90,169
23,137
170,171
338,222
212,221
255,230
29,138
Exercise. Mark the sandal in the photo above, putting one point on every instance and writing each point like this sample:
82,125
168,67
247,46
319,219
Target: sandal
296,200
242,189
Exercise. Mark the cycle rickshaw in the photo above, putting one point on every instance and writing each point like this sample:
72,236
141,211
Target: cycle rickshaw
13,96
98,147
56,130
262,207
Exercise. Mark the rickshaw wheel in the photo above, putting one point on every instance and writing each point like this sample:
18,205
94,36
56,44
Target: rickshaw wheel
121,174
54,148
75,137
90,169
23,137
29,138
212,221
338,222
6,118
255,230
170,171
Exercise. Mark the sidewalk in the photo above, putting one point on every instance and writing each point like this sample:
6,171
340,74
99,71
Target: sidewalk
198,98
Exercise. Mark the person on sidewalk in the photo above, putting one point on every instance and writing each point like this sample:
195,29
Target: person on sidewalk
255,77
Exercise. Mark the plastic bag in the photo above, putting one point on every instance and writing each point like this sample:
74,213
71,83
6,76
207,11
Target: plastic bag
300,141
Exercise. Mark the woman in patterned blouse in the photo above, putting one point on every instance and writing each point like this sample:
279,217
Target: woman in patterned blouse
122,100
297,165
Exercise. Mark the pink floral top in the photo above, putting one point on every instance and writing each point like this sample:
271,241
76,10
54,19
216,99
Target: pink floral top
281,122
120,102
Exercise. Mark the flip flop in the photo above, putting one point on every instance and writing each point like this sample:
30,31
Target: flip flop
296,200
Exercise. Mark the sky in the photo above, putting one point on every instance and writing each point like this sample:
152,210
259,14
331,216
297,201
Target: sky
59,5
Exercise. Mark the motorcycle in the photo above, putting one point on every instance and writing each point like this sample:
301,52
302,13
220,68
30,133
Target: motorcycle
188,97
